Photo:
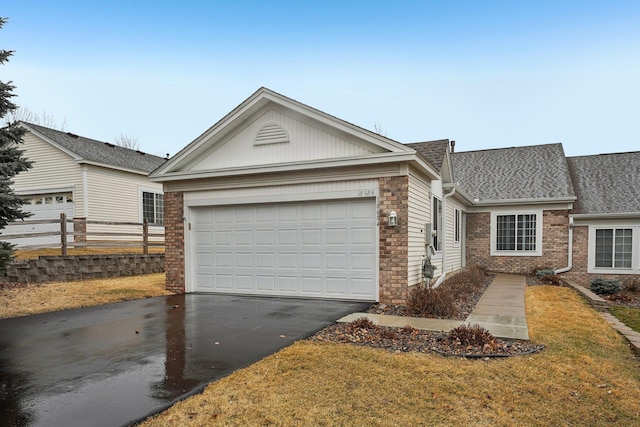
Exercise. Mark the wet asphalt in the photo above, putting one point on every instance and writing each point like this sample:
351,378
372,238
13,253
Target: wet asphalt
116,364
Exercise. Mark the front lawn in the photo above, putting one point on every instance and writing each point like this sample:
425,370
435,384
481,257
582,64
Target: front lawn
628,315
585,376
23,300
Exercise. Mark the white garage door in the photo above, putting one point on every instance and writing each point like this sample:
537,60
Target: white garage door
322,249
44,206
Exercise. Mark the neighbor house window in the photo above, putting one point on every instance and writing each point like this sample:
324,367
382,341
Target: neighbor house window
516,233
153,207
457,225
614,247
437,223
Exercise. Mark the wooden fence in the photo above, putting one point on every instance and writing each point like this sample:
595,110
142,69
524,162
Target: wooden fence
81,238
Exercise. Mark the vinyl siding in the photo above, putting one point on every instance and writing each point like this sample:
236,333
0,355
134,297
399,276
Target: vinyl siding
52,169
279,193
453,252
116,196
419,215
307,141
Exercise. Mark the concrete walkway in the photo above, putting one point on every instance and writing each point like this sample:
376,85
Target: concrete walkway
500,310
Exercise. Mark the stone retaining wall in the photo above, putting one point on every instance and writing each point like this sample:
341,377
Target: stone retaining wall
82,267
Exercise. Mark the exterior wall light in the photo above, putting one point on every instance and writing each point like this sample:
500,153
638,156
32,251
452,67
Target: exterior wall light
393,219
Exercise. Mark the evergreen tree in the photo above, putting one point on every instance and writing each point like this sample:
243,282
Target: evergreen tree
12,162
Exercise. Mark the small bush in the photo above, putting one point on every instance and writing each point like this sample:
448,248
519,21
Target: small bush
542,273
605,287
363,323
632,285
472,335
430,302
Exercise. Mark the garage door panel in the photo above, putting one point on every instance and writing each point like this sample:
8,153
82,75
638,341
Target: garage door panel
288,284
224,260
288,261
266,260
362,236
311,285
265,237
221,238
337,286
265,283
362,261
337,236
337,261
324,249
243,237
244,260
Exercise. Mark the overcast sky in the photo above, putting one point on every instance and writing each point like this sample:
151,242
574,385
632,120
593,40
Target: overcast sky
487,74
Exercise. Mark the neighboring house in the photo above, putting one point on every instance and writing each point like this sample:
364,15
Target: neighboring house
606,216
84,178
278,198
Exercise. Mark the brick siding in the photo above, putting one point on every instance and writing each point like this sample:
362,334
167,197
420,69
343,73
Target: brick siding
555,237
578,274
174,241
394,241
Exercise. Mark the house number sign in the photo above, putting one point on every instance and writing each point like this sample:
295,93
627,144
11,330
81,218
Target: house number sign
367,192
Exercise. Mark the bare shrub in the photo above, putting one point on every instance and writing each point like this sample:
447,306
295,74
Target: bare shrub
632,285
472,335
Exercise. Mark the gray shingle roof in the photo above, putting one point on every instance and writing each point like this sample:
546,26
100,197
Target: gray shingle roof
517,173
100,152
606,183
433,151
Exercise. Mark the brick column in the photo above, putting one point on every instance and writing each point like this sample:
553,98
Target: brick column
80,226
394,241
174,241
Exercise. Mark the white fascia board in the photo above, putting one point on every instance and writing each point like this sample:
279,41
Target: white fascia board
499,202
103,165
612,215
425,166
71,154
256,101
288,167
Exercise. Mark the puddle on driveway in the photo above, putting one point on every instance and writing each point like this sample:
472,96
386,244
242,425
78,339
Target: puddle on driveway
111,365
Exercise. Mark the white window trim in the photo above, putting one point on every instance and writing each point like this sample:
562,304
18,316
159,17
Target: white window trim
141,203
539,228
457,216
438,228
635,247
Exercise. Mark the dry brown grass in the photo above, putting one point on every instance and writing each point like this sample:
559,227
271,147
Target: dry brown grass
586,376
42,298
35,253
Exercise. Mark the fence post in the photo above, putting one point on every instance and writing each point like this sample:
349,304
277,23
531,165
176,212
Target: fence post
145,236
63,233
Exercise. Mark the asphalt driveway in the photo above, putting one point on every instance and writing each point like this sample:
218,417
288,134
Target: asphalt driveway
115,364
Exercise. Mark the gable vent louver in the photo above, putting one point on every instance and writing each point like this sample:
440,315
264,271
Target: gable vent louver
271,133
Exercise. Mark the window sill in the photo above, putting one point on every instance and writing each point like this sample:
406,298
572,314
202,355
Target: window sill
516,253
601,270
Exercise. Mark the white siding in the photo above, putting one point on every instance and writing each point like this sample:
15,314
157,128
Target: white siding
279,193
419,215
307,142
52,169
115,196
453,252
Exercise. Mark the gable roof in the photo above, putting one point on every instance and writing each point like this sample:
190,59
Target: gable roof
518,174
434,151
86,150
606,183
387,149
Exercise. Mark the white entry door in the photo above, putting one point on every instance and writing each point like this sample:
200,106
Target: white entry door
320,249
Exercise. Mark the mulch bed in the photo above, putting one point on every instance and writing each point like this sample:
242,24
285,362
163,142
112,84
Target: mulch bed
413,340
408,339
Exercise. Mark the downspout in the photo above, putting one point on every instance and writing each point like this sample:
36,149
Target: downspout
444,240
570,250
